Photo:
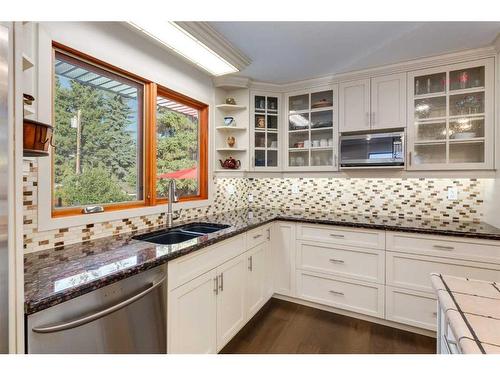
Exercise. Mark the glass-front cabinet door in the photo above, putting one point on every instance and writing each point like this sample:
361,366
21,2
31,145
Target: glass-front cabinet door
312,132
266,138
451,117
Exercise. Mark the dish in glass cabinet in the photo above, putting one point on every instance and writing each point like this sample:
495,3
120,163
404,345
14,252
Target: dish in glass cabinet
465,135
321,103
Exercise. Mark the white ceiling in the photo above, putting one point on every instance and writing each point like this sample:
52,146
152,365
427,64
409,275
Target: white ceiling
290,51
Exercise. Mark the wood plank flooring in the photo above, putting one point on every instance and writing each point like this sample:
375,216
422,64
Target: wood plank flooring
283,327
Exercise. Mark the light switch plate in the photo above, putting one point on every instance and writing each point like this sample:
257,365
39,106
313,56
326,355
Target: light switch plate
250,197
295,189
452,193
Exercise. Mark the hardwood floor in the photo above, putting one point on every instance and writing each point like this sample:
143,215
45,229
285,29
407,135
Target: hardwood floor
284,327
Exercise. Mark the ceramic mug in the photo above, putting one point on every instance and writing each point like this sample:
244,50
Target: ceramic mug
330,142
307,143
323,142
274,144
316,143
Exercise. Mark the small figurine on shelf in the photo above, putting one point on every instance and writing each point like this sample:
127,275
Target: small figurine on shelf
231,141
229,121
230,101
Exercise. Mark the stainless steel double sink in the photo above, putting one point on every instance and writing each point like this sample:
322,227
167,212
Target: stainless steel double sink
180,234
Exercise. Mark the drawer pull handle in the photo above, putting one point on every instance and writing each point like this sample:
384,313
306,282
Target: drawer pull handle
340,261
336,293
443,247
336,235
257,236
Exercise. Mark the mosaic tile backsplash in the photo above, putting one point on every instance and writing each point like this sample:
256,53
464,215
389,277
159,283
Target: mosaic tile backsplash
401,197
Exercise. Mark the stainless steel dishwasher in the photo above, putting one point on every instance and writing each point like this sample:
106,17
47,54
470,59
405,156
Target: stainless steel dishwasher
128,316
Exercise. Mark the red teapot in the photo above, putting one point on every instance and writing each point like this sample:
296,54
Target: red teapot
230,163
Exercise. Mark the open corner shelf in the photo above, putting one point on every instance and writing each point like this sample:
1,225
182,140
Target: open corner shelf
230,107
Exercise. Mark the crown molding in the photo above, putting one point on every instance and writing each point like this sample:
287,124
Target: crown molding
402,67
496,43
210,37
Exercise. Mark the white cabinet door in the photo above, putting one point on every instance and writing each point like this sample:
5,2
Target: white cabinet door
192,316
283,260
230,300
388,101
255,279
355,105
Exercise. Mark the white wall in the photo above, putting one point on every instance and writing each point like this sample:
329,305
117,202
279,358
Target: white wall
118,45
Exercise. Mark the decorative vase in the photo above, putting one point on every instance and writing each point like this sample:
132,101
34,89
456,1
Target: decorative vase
230,141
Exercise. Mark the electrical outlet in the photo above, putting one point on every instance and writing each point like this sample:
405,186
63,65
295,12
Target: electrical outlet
295,189
250,198
452,193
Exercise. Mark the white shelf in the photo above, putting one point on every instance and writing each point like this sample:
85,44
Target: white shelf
319,129
430,95
471,90
229,149
27,62
230,128
326,148
299,149
230,107
467,140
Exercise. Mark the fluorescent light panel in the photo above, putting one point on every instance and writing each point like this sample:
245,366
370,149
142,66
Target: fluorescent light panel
175,38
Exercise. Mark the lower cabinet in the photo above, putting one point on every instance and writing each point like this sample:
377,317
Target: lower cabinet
414,308
256,278
319,264
205,313
192,315
357,296
283,258
231,295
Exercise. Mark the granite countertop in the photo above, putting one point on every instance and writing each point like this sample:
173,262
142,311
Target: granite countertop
472,308
54,276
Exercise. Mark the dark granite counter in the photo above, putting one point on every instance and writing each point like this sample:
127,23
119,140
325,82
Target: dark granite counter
54,276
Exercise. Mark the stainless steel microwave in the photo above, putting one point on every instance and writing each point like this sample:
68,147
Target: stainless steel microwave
372,150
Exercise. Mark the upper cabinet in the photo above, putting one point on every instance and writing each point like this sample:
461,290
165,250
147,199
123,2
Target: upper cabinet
388,101
265,136
312,132
450,117
354,106
371,104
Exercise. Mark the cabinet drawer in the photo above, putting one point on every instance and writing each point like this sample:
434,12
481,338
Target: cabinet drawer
413,271
188,267
445,246
364,298
409,307
258,236
341,235
361,264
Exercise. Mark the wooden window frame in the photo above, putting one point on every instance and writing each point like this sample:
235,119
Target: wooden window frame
148,131
202,144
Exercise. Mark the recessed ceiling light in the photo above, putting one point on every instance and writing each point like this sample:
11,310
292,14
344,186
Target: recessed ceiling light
177,39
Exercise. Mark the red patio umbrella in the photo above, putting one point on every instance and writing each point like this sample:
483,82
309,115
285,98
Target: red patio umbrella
183,173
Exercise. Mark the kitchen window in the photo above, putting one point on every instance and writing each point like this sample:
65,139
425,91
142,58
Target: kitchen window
119,139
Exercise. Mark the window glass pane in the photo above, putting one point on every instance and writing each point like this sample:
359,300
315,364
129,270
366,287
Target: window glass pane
98,135
177,142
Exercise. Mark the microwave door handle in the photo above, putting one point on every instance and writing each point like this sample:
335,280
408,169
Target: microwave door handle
92,317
